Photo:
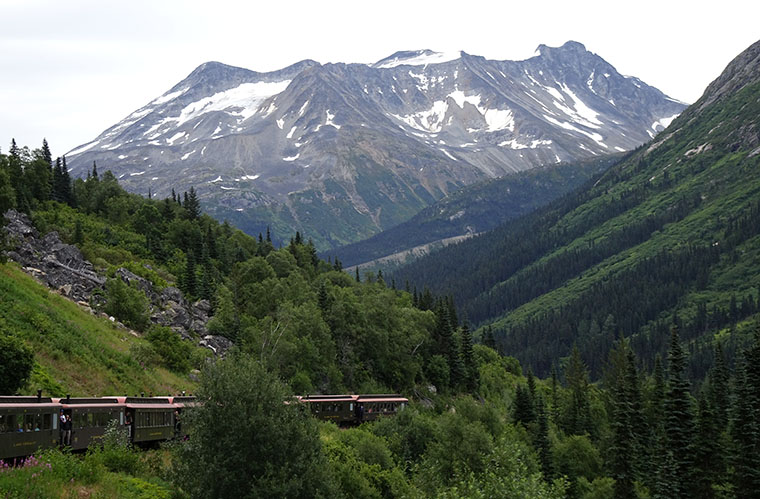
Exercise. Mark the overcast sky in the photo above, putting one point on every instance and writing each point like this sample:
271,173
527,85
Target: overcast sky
70,69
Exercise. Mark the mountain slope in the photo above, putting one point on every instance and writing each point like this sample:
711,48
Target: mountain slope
673,229
341,151
76,352
472,210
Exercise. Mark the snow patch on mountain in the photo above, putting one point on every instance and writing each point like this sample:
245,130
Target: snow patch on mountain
663,123
423,58
242,101
168,97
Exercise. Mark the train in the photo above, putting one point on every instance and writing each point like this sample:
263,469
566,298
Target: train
29,424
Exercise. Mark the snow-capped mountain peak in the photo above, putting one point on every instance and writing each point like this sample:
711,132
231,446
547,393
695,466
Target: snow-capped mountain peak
306,139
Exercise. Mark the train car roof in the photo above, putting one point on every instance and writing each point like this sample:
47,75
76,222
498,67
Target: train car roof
184,401
89,401
136,405
381,398
18,401
327,398
41,405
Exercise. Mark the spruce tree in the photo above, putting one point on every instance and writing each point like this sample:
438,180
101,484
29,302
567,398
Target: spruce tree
637,418
66,191
488,338
322,298
78,232
523,410
192,205
209,282
679,418
46,153
626,424
577,414
555,405
468,359
746,423
622,448
16,175
709,467
189,280
720,391
542,442
56,181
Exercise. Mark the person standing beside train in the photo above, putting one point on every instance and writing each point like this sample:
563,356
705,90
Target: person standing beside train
61,421
66,425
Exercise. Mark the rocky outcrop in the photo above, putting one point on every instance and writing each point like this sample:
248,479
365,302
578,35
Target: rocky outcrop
60,266
742,71
63,268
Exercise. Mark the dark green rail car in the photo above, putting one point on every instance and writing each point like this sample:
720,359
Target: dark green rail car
376,406
152,418
336,408
90,418
27,424
181,404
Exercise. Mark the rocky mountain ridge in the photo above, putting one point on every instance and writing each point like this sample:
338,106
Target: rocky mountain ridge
341,151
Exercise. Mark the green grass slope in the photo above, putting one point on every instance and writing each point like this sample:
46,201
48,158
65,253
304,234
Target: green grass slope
76,352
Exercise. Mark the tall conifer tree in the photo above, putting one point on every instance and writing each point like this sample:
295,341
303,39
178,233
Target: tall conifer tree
746,423
679,418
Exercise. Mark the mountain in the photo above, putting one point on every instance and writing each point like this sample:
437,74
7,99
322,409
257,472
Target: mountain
669,235
472,210
342,151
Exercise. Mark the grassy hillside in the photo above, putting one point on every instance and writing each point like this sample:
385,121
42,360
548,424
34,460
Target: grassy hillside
76,352
670,234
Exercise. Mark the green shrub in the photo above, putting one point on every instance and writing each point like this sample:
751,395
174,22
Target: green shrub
16,363
126,303
116,453
145,354
175,352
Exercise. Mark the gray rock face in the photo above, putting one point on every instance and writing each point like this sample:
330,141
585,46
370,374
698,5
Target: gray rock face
62,267
367,146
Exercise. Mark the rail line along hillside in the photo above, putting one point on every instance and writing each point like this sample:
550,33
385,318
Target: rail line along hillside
29,424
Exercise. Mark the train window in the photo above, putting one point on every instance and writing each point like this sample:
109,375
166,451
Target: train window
2,424
121,418
90,419
55,421
47,421
351,406
28,422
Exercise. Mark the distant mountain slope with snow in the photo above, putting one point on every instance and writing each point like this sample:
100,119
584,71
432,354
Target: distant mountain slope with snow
341,151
